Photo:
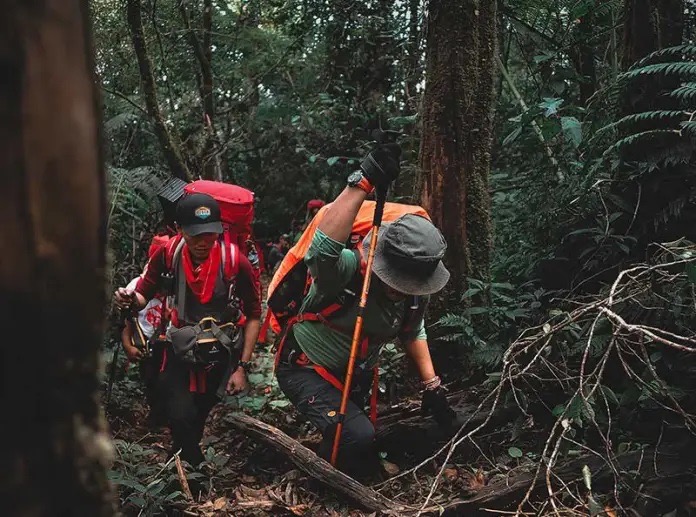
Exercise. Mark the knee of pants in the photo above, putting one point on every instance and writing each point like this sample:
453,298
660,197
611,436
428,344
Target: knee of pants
181,413
358,433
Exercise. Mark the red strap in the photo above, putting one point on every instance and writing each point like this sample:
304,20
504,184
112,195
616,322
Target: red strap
193,385
374,395
164,361
263,333
328,377
202,381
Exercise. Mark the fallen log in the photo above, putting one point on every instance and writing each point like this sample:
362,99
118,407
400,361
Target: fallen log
648,479
315,466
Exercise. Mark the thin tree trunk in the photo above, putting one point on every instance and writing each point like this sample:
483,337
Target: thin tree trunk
457,131
640,37
170,147
414,55
203,52
670,22
54,448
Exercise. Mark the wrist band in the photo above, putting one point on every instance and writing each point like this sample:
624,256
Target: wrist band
432,384
365,185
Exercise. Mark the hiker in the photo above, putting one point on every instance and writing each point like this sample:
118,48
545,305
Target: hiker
277,252
313,206
143,339
314,354
214,319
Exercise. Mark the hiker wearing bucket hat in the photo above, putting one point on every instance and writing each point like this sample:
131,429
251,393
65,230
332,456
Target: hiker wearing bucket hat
407,268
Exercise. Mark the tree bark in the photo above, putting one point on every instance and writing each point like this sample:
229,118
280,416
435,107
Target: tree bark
170,147
457,131
584,57
640,37
54,448
670,22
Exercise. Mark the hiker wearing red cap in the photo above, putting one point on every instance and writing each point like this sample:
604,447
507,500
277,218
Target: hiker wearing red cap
215,316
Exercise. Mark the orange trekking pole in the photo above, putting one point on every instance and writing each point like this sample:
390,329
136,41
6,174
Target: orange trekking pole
357,332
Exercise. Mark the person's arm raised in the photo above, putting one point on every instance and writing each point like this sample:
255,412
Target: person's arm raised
379,169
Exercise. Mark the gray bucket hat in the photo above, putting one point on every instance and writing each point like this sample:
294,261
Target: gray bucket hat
409,255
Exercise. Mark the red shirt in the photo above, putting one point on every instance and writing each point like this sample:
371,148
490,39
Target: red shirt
149,283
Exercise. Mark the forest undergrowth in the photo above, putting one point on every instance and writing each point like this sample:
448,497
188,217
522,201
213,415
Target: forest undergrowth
588,413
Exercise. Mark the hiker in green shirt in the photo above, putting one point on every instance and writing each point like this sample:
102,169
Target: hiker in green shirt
406,270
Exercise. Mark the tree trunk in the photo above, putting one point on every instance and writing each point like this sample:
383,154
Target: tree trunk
54,448
203,52
457,131
640,37
583,55
670,22
170,148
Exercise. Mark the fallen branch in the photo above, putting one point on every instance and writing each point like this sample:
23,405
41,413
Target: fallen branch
182,477
315,466
667,463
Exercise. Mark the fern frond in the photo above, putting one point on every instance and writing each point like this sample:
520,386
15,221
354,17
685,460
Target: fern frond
662,116
682,51
689,127
683,69
686,92
453,320
642,137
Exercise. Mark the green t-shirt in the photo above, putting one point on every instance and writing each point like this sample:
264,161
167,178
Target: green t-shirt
332,267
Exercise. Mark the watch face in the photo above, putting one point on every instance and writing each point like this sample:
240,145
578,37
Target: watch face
354,178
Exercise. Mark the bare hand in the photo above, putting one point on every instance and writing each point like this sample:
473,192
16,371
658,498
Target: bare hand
133,353
124,298
238,382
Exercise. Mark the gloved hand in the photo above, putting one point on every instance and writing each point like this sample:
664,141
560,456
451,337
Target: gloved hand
381,166
435,403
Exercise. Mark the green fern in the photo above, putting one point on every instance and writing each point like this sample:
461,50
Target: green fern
681,69
681,51
664,117
685,93
642,137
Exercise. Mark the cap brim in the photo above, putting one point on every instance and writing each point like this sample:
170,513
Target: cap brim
198,229
405,283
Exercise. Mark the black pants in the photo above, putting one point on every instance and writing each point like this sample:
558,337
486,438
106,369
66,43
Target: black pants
149,374
319,401
188,411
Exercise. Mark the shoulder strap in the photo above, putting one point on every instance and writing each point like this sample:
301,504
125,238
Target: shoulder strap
230,258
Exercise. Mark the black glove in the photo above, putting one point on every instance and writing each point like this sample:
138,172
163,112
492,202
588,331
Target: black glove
435,403
381,166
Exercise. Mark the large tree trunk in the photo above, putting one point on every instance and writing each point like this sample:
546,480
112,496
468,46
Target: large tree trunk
457,131
53,442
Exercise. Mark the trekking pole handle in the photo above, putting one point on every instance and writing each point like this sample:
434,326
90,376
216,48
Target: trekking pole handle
381,199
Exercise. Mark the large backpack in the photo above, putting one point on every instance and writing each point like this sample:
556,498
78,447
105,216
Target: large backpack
291,281
237,214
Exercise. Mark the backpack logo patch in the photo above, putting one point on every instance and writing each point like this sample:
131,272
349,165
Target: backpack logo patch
202,212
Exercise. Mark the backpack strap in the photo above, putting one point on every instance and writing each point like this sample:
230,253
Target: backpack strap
230,258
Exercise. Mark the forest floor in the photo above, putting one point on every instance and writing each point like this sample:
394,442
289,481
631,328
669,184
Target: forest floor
511,454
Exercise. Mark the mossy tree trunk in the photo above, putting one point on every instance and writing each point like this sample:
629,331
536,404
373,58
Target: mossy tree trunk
457,132
53,441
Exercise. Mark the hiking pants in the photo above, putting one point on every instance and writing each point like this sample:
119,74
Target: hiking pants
187,411
319,401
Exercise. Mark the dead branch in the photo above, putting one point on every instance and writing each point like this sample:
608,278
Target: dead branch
315,466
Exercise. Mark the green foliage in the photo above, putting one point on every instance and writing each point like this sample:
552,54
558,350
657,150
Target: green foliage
150,488
483,330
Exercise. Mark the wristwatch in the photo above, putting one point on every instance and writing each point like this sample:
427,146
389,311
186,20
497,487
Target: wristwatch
245,365
358,180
